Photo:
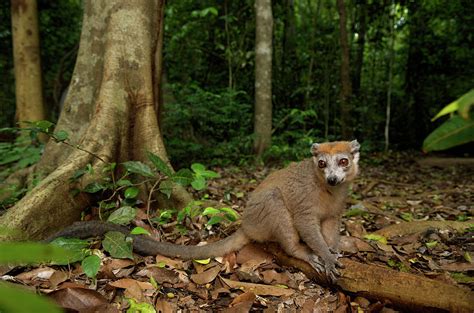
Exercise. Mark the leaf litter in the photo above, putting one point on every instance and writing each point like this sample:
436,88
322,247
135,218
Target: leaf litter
387,207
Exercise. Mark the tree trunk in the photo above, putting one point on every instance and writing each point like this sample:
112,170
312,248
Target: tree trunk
109,111
388,108
263,76
346,88
359,57
26,57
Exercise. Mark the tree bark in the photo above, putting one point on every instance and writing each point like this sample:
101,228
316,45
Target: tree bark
109,111
346,88
263,76
26,57
359,57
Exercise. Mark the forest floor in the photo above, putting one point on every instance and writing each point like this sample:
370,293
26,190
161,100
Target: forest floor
393,189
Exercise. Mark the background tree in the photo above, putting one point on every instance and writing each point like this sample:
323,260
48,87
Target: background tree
263,76
111,90
26,51
346,87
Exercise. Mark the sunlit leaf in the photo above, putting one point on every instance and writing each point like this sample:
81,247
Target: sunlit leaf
216,219
131,192
139,231
199,183
455,131
210,211
376,237
204,261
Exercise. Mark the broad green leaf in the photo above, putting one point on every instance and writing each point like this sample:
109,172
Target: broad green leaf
210,211
431,244
216,219
376,237
198,167
94,187
199,183
160,164
131,192
462,105
454,132
138,168
124,182
78,248
61,135
355,212
184,177
45,126
230,214
139,231
19,300
210,174
140,307
166,187
116,244
90,265
122,215
33,252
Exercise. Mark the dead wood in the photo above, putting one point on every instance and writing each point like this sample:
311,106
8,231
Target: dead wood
445,162
407,228
377,282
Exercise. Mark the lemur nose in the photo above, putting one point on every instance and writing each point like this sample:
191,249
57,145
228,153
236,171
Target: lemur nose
332,180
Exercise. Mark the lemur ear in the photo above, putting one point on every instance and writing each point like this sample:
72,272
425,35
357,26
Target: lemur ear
355,148
315,149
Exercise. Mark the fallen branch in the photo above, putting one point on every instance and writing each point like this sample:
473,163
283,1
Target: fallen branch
407,228
445,162
376,282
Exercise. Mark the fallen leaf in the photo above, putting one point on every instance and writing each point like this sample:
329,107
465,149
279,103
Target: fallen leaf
179,264
161,275
128,282
57,278
38,273
259,289
244,297
134,291
273,277
77,299
206,276
163,306
241,303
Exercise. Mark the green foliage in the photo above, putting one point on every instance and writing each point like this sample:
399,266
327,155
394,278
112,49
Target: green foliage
118,245
18,300
91,265
457,130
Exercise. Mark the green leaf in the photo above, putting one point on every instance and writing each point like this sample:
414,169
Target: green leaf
210,174
462,105
140,307
160,164
203,262
199,183
32,252
230,214
198,167
166,187
431,244
216,219
131,192
211,211
124,182
19,300
376,237
139,231
116,244
61,135
94,187
138,168
355,212
454,132
44,126
122,215
407,216
90,265
184,177
78,248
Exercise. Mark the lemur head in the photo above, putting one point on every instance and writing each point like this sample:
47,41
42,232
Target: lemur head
336,162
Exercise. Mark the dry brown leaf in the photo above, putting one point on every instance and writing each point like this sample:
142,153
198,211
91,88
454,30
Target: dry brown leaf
128,282
259,289
134,291
244,297
179,264
206,276
43,273
77,298
163,306
273,277
161,275
57,278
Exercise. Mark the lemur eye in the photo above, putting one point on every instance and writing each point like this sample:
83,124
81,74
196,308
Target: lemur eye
321,164
343,162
